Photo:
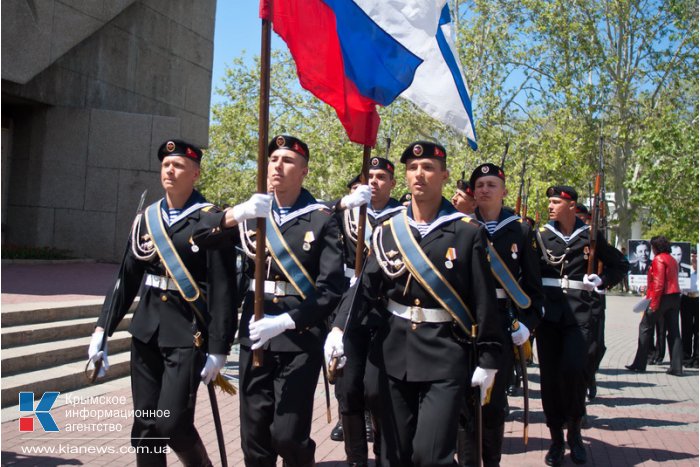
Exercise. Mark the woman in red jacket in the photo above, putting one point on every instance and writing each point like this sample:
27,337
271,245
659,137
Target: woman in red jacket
665,296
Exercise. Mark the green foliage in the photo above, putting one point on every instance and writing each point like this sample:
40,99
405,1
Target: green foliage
550,77
667,180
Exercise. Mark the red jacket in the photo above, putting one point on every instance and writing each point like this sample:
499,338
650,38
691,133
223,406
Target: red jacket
662,279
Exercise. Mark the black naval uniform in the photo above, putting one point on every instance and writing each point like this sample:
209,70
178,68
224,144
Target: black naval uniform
567,328
165,365
424,366
514,241
356,386
277,398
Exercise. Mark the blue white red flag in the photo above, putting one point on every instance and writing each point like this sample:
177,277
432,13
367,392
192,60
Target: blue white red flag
357,54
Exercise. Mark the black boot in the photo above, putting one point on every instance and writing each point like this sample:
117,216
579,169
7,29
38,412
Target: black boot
369,429
337,432
150,460
555,455
573,437
195,456
592,389
355,441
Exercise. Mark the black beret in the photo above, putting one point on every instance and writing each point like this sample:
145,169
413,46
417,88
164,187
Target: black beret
581,209
563,192
464,186
288,142
487,170
424,149
381,163
405,198
176,147
353,181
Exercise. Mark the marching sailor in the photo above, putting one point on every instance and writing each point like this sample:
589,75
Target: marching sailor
355,387
303,283
184,324
429,279
520,298
566,330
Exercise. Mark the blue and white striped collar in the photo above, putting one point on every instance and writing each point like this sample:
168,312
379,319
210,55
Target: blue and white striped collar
195,202
392,207
579,227
447,213
505,217
304,204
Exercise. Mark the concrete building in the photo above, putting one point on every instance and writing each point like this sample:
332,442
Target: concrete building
89,91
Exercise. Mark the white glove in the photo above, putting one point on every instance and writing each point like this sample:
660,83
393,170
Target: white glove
521,335
215,362
484,378
95,354
270,326
362,195
257,206
334,348
592,281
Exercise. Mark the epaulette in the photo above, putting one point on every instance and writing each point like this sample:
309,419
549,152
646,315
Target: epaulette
467,219
542,229
208,208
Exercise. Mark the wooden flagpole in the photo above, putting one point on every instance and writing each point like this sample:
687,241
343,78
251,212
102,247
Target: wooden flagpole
263,124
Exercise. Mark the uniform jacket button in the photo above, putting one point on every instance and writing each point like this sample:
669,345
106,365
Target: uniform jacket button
164,298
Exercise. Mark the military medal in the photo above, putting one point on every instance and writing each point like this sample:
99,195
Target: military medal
514,251
194,246
450,256
585,252
308,238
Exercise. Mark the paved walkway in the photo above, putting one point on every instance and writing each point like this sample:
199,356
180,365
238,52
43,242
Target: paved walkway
637,419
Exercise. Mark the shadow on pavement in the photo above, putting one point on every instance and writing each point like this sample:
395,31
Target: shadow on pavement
644,455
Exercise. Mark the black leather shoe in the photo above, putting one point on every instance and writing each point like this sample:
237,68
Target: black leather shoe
555,455
369,429
634,368
337,432
573,438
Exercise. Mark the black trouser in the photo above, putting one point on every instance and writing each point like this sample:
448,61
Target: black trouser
596,345
660,346
563,353
493,417
419,421
277,401
350,392
689,326
164,379
668,311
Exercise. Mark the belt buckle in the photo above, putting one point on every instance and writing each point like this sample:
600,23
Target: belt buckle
417,315
565,283
162,283
280,289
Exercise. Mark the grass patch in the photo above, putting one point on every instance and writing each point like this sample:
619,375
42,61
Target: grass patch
32,252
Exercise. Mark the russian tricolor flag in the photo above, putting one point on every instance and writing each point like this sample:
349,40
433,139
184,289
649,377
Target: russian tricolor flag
357,54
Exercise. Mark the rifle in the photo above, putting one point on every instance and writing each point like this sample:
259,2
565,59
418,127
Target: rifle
526,199
591,269
503,157
91,375
518,203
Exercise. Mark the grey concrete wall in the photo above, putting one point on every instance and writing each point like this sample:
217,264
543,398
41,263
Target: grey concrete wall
99,86
79,177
